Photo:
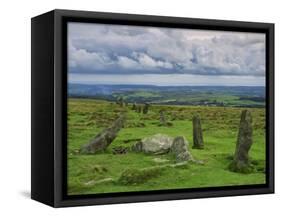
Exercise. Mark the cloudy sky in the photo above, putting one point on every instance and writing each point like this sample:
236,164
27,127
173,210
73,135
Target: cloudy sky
119,54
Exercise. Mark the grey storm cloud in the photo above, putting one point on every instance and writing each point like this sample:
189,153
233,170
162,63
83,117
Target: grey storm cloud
119,49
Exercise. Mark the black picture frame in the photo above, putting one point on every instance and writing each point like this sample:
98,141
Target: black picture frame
49,103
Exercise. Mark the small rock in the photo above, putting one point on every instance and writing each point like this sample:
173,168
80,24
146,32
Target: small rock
120,150
160,160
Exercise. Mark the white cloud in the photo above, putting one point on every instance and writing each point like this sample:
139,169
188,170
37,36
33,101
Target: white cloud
146,61
128,63
107,49
83,59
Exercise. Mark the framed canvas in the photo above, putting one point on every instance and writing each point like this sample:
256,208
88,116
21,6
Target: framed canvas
131,108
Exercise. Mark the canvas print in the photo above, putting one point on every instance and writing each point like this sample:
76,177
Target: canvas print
153,108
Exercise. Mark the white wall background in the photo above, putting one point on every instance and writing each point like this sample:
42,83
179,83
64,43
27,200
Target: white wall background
15,106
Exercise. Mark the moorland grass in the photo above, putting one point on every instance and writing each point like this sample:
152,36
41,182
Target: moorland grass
87,117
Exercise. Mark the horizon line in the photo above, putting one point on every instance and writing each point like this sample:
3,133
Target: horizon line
180,85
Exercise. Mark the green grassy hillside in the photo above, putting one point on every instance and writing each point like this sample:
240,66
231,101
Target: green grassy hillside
86,118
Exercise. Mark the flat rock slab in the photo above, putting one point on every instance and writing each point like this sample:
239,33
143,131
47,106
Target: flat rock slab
156,144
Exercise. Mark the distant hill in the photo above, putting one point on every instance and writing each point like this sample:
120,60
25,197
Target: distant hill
236,96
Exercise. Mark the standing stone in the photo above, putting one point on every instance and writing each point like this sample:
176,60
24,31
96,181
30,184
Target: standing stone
104,138
139,108
134,107
162,118
120,101
145,108
197,133
163,121
244,142
180,149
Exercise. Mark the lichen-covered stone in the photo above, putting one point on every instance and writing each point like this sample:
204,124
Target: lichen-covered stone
139,109
180,149
198,142
134,107
162,118
244,142
145,108
156,144
163,121
104,138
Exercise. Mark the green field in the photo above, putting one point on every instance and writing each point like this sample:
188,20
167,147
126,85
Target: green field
87,117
